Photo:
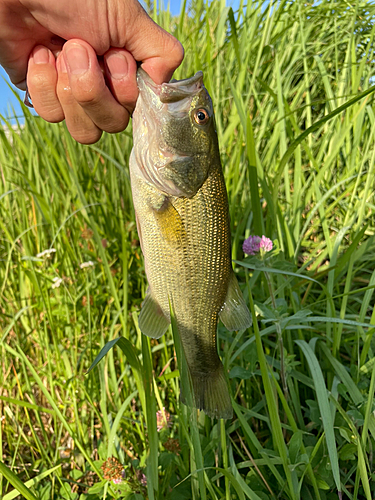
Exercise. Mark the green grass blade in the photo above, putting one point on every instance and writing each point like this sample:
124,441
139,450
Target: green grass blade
325,411
309,131
276,427
126,347
31,482
18,485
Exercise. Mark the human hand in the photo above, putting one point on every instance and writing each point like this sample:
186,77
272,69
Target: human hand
68,80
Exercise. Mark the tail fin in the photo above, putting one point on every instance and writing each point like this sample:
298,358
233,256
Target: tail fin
211,393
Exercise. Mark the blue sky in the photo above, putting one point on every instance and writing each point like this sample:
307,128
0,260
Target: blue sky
7,98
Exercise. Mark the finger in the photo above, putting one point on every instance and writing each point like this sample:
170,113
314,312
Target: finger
89,89
79,124
159,52
41,84
120,71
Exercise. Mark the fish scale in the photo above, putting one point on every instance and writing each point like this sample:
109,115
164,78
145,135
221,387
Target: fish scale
207,264
181,207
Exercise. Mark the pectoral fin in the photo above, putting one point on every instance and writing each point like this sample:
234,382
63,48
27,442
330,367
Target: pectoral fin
170,223
152,321
235,314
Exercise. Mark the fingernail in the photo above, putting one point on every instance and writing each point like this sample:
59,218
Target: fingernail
41,55
77,59
117,65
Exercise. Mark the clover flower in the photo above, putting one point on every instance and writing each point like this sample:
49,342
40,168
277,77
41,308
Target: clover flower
251,245
118,480
266,244
172,445
46,253
56,282
113,470
85,265
255,244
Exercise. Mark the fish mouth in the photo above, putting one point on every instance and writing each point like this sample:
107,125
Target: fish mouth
156,104
173,97
174,91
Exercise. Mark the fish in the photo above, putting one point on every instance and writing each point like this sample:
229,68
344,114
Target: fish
182,216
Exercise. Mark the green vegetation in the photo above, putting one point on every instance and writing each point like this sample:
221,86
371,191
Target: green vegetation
291,85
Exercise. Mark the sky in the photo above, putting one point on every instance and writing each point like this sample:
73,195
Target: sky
8,99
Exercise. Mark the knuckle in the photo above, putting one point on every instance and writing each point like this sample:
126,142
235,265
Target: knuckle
86,98
87,94
175,51
40,80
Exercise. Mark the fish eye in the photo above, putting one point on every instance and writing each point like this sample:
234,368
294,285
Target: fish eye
201,116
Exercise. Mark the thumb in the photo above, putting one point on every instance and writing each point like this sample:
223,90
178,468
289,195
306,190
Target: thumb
159,52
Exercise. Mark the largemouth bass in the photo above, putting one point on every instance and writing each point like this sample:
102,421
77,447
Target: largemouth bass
181,208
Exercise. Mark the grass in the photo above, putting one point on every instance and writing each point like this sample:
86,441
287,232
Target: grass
292,87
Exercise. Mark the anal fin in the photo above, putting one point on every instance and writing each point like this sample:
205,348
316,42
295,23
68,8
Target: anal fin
235,314
152,321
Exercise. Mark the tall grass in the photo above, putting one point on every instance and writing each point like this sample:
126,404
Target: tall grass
291,84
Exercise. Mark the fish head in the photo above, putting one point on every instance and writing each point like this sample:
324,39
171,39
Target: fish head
174,133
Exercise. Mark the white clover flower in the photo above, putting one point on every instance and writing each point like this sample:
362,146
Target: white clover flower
57,282
84,265
46,253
